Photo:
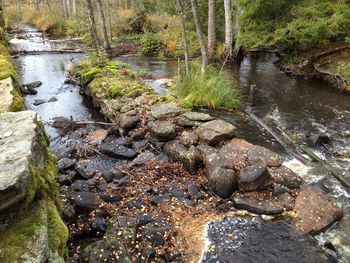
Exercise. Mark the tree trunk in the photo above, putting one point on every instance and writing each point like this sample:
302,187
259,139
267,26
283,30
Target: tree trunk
184,34
212,26
109,20
64,7
201,39
68,8
103,25
93,31
74,8
228,28
126,4
2,22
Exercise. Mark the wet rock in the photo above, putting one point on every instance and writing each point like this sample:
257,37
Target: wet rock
128,121
252,177
315,210
197,116
286,177
66,179
256,206
155,238
319,139
87,201
81,186
24,90
236,153
52,99
111,198
96,137
188,138
169,110
162,158
279,189
215,132
118,151
157,200
264,156
246,239
143,158
223,182
65,163
140,145
34,84
190,158
39,102
162,130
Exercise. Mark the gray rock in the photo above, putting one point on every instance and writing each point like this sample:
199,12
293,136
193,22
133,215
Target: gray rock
264,156
188,138
252,177
215,132
190,158
236,153
257,206
286,177
118,151
65,163
169,110
127,121
143,158
34,84
52,99
162,130
39,102
87,201
319,139
197,116
140,145
223,182
184,122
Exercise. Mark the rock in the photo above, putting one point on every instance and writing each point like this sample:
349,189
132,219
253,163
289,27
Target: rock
184,122
188,138
264,156
87,201
127,121
66,179
252,177
85,171
193,190
169,110
286,177
190,158
162,130
39,102
99,224
248,240
197,116
143,158
32,91
24,90
256,206
279,189
65,163
214,160
52,99
236,153
96,137
140,145
223,182
315,210
155,238
111,198
137,134
7,87
157,200
81,186
136,203
34,84
286,200
215,132
319,139
118,151
144,219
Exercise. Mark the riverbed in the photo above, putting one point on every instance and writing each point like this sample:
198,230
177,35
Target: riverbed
299,107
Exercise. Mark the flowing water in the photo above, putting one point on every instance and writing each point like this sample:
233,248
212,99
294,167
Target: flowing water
299,107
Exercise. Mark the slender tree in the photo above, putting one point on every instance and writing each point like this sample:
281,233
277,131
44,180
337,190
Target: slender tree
212,26
228,28
103,25
93,31
2,23
181,9
200,34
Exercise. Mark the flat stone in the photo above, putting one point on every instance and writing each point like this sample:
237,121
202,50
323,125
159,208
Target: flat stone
157,200
184,122
39,102
285,176
236,153
252,177
215,132
96,137
118,151
20,146
259,154
316,210
169,110
143,158
197,116
52,99
188,138
223,182
6,97
162,130
34,84
127,121
256,206
87,201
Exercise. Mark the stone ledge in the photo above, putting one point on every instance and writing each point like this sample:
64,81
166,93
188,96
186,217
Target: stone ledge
6,97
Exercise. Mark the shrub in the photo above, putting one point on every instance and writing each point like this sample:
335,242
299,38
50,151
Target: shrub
214,90
151,43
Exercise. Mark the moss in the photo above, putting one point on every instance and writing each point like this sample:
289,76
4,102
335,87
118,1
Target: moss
17,103
114,90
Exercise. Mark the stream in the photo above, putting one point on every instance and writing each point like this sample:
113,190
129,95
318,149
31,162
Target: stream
299,107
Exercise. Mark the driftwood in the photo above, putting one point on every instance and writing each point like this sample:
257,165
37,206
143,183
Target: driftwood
15,54
65,125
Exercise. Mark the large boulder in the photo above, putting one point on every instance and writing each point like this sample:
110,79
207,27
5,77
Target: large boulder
236,152
254,205
259,154
315,210
162,130
285,176
129,120
215,132
252,177
168,110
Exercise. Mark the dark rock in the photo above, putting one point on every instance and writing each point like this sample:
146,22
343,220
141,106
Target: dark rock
150,253
24,90
108,175
96,137
193,189
236,153
88,201
191,158
286,177
215,132
184,122
111,198
319,139
286,200
214,160
34,84
252,177
32,91
99,224
176,192
143,158
249,240
162,130
315,210
267,207
162,158
85,171
64,164
264,156
223,182
144,219
186,201
169,110
137,134
81,186
197,116
188,138
136,203
39,102
66,179
155,238
279,189
52,99
128,122
125,227
118,151
157,200
140,145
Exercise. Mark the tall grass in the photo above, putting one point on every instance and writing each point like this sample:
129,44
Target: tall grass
214,90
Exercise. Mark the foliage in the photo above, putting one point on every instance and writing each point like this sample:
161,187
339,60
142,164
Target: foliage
214,90
151,43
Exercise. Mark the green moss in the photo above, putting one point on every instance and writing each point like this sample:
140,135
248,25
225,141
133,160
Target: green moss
114,91
17,102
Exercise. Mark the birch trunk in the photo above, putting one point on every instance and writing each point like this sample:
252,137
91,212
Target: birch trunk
212,26
103,25
184,34
228,28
